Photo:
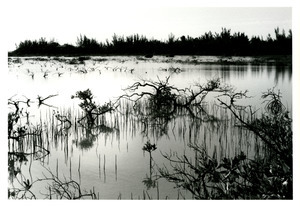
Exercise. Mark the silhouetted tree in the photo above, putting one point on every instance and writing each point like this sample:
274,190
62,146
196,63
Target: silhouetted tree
223,43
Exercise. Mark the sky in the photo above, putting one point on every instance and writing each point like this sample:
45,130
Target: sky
64,21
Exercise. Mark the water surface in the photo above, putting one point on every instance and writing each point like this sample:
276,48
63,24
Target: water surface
112,161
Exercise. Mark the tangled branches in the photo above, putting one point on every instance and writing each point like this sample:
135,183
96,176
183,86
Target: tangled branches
163,99
274,127
270,177
230,178
92,111
161,94
273,104
55,189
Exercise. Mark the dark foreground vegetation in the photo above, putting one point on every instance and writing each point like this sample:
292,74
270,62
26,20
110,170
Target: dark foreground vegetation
223,43
267,175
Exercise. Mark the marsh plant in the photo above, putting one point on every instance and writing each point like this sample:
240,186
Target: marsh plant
93,120
23,134
263,177
149,181
149,148
90,108
55,188
159,101
18,133
160,94
266,175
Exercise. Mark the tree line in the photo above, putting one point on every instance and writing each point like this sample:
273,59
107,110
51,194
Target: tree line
223,43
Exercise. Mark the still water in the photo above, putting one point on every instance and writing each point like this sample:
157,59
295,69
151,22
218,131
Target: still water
111,161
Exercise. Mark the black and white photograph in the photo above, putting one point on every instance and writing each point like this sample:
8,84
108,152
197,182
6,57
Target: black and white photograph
149,100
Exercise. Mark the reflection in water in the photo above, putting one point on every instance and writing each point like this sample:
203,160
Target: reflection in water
108,156
89,134
279,72
228,72
283,72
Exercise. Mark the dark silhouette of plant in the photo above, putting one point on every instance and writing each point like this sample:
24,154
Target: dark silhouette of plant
88,105
267,177
91,109
64,120
162,97
154,102
149,147
274,127
41,100
55,189
163,100
223,43
18,132
149,181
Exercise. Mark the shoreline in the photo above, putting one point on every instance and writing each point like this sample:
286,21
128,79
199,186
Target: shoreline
182,59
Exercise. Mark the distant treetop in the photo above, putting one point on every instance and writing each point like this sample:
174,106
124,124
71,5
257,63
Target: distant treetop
223,43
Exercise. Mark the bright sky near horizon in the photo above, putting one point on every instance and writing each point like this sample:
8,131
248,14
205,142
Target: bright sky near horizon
64,22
